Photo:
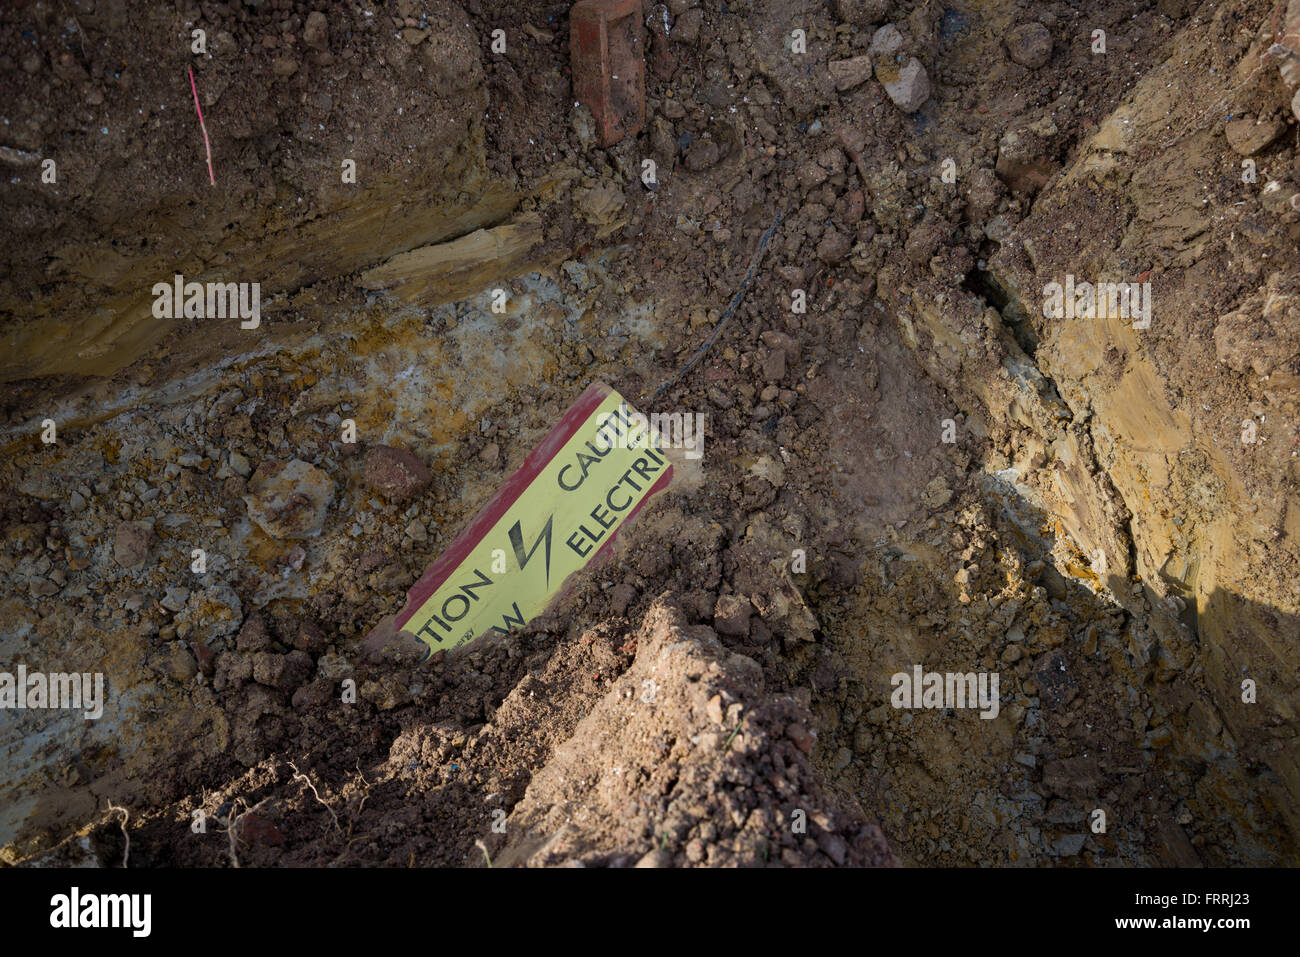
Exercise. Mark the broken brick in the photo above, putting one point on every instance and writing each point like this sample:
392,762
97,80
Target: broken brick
606,53
255,829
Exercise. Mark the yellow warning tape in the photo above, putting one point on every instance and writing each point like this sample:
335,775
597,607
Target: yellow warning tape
559,522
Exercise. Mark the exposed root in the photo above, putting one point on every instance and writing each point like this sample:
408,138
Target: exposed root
365,797
299,776
233,823
126,818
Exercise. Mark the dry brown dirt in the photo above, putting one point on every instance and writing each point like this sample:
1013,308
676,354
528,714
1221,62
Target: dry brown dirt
921,468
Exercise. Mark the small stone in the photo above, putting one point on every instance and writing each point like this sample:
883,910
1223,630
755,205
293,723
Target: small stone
76,501
284,66
1056,685
1030,45
774,365
315,31
175,598
490,455
1276,196
908,87
583,125
998,228
131,544
714,709
656,858
1068,846
389,693
239,465
811,174
937,494
255,829
417,531
1160,738
396,473
885,42
333,666
834,247
861,12
850,73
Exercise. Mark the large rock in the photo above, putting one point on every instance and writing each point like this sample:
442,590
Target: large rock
289,500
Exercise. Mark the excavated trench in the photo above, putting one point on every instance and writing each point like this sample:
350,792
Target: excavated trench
921,470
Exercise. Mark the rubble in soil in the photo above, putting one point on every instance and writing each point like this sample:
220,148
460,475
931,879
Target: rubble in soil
915,470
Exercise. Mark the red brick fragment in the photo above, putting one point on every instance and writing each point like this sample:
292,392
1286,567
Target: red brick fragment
607,53
255,829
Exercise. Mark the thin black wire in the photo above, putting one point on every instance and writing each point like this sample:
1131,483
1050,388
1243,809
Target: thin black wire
735,301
